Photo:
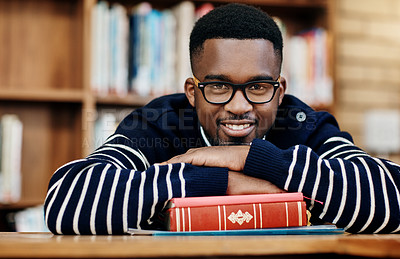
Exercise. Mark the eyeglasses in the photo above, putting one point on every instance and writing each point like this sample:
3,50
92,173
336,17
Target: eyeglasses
218,92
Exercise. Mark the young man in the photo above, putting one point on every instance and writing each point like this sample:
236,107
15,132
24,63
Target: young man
234,131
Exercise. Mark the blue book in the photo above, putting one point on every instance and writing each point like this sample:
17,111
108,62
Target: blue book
306,230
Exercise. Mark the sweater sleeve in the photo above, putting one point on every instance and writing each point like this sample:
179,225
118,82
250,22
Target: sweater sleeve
108,192
346,186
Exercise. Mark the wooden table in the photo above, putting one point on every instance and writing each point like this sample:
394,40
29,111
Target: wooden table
46,245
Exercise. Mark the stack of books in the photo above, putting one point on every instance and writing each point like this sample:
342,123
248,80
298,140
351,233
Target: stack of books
236,212
238,215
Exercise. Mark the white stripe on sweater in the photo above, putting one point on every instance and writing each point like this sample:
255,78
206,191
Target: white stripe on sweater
93,213
330,190
126,201
117,136
316,183
393,164
81,199
338,139
344,192
291,168
133,151
115,162
392,183
182,179
138,154
56,185
68,164
147,164
356,155
333,150
140,199
305,170
169,184
371,193
67,198
357,198
111,201
386,201
109,147
355,152
155,192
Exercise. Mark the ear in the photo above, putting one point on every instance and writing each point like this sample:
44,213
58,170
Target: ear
189,90
282,89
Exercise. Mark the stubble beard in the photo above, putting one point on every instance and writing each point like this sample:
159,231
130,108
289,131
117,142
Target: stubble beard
232,141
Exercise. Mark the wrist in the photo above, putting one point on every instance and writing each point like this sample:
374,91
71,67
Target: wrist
266,161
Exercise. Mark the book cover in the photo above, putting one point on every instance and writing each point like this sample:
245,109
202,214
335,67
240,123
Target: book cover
168,46
235,199
305,230
96,16
141,49
119,32
236,212
203,10
185,19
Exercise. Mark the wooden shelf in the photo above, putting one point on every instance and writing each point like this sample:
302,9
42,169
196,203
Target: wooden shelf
276,3
42,95
22,204
280,3
132,100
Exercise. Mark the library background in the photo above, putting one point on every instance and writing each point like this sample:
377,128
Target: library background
70,70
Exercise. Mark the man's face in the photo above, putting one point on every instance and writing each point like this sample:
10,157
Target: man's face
235,61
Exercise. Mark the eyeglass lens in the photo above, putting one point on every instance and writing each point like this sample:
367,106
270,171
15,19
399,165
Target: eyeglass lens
222,92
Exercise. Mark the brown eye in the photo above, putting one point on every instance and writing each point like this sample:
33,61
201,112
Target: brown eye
256,87
218,86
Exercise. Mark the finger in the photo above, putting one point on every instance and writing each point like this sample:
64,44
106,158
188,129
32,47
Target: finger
179,159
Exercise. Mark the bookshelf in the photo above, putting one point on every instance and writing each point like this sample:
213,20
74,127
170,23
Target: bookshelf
45,78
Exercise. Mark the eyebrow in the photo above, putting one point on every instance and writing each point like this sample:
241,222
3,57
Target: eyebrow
226,78
216,77
259,78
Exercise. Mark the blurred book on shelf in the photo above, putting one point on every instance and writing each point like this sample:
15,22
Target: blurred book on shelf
105,126
28,220
10,158
107,120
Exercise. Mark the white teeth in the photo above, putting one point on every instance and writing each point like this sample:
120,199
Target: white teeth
238,127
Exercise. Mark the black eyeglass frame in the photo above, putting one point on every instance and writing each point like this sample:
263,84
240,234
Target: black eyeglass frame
242,87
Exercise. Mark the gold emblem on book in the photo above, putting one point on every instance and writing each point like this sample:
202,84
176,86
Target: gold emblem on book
240,217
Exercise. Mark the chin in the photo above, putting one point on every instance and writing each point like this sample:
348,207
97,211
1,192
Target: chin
231,142
225,140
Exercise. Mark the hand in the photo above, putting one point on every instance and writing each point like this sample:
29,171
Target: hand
239,183
231,157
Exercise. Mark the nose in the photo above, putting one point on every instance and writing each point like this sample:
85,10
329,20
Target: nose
238,105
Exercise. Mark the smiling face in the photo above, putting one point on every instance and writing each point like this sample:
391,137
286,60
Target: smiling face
235,61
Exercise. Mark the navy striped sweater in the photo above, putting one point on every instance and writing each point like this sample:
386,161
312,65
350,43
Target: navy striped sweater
121,186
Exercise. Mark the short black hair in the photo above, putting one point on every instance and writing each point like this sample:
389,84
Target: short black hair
235,21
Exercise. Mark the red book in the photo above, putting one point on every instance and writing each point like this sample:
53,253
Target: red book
236,212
